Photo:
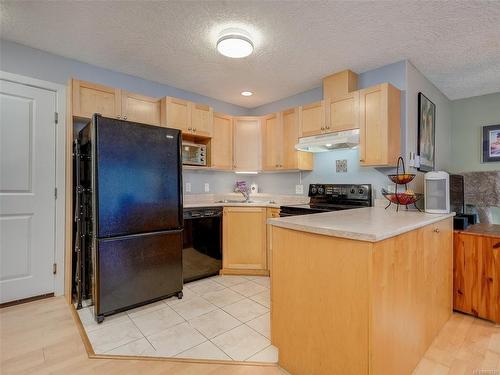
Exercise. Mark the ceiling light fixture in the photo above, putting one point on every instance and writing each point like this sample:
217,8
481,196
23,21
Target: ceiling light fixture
234,43
246,93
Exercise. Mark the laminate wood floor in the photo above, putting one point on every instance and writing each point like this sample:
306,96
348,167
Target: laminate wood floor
41,337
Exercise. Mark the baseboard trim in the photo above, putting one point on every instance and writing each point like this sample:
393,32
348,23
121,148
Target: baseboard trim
25,300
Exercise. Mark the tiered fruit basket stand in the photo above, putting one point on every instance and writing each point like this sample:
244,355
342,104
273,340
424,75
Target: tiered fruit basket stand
399,197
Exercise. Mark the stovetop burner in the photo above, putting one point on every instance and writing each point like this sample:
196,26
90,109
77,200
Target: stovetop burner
332,197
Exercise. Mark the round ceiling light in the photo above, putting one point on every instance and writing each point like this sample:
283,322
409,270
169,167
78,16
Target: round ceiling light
246,93
234,45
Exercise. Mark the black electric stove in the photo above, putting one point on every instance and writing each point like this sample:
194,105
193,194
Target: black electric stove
331,197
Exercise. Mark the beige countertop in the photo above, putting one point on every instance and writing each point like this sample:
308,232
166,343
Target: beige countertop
258,200
371,224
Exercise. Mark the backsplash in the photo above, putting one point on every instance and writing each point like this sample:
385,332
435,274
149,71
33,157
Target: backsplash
284,183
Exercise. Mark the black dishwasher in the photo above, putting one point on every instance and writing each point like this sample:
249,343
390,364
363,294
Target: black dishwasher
202,244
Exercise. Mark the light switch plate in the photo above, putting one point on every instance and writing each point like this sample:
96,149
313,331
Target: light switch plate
341,165
188,187
207,187
299,189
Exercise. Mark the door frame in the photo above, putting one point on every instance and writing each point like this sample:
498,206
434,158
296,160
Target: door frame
60,168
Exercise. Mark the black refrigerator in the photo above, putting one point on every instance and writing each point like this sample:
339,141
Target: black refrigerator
130,183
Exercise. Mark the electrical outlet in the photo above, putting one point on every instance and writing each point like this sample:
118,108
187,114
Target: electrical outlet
188,187
299,189
341,165
207,187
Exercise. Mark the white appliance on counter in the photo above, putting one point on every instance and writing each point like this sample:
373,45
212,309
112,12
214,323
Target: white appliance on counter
437,192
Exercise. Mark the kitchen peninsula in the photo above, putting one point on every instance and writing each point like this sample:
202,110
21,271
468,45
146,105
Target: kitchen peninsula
361,291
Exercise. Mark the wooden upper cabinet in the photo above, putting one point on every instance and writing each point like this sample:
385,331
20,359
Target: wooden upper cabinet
247,144
89,98
221,145
202,119
291,158
379,120
177,113
343,113
312,119
244,242
272,142
140,108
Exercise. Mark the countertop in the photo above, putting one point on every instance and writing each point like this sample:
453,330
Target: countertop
371,224
258,200
486,230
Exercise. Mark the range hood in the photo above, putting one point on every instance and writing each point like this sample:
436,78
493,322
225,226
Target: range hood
329,142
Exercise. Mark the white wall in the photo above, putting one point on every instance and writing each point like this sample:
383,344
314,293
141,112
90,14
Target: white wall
416,82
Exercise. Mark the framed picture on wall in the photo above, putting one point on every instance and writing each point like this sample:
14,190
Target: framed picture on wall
491,143
426,146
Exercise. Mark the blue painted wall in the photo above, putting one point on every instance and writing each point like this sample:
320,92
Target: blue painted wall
19,59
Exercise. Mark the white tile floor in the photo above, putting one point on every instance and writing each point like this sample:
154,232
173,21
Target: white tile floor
222,317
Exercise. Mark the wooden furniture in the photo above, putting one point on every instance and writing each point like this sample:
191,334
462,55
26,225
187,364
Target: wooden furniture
476,271
344,112
271,213
280,134
356,307
222,142
244,241
379,120
191,118
247,144
312,119
89,98
339,85
140,108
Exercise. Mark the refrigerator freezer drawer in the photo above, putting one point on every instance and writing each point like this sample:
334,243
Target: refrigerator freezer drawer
137,269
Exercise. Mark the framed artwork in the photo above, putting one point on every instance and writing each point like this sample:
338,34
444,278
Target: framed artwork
426,146
491,143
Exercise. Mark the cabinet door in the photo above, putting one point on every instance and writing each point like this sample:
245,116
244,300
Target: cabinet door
344,113
247,144
89,98
379,119
140,108
312,119
437,276
476,276
293,159
271,213
177,113
272,142
244,238
221,145
202,119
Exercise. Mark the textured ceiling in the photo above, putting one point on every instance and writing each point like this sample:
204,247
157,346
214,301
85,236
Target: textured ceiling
455,44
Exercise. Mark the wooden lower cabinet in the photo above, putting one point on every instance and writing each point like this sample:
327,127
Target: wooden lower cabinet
356,307
244,241
271,213
476,274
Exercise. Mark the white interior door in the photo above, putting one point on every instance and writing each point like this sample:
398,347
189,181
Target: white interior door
27,183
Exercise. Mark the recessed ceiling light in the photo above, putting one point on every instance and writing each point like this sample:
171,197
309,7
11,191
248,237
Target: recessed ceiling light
246,93
234,45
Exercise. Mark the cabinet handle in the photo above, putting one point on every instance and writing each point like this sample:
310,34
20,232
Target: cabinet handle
190,129
328,127
436,230
119,116
322,128
497,245
124,117
194,129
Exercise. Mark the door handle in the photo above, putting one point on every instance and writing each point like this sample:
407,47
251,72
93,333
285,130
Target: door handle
436,230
